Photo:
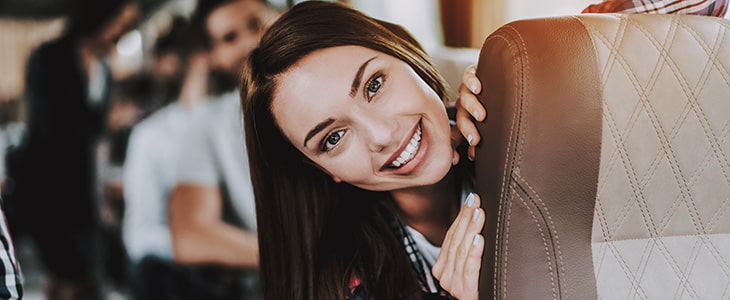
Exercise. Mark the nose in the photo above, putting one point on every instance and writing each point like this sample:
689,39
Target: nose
378,130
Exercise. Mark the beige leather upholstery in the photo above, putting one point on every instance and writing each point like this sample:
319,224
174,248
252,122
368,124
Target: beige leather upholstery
605,161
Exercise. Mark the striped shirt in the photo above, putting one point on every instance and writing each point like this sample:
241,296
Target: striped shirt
715,8
10,285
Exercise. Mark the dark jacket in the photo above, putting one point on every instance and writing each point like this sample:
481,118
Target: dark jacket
54,173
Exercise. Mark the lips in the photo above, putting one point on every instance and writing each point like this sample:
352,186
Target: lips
410,151
407,152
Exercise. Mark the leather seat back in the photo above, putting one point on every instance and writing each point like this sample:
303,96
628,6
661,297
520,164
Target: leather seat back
604,166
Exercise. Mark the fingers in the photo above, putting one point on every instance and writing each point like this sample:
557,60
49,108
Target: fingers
469,79
469,109
465,254
455,158
471,86
458,231
438,268
457,267
466,125
472,266
441,268
468,101
473,229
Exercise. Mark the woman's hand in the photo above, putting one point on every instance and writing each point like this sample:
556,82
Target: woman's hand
458,264
468,107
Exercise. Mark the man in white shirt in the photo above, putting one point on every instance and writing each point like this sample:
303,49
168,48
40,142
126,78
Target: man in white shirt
212,216
150,173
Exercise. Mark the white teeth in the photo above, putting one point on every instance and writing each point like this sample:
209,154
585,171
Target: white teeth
410,148
410,151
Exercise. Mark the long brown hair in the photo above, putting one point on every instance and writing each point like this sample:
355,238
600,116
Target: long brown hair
315,234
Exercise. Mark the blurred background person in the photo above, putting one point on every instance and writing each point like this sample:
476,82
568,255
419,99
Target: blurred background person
212,215
149,172
55,194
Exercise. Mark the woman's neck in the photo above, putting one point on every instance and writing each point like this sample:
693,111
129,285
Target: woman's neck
430,209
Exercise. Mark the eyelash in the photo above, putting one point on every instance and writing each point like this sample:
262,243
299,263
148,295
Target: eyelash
369,84
325,148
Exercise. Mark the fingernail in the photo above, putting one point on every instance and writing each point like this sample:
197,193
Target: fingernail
476,114
476,215
470,200
470,157
477,239
453,161
469,138
473,88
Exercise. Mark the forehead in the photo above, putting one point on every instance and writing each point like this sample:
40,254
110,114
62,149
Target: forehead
327,67
232,14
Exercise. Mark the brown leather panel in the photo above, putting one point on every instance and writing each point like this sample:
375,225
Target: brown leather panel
537,166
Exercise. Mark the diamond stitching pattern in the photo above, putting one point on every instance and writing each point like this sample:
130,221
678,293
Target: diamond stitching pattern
663,210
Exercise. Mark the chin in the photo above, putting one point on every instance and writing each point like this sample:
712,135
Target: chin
441,167
435,171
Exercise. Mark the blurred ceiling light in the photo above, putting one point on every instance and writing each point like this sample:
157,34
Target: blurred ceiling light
130,44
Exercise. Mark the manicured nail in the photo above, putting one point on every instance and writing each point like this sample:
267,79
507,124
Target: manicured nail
476,215
470,200
473,88
476,114
477,239
469,138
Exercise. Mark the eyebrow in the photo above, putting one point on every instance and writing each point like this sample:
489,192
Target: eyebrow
317,129
358,77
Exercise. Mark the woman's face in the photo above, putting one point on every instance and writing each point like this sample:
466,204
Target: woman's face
365,118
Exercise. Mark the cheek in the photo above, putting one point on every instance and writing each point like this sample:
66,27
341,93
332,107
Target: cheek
347,171
352,167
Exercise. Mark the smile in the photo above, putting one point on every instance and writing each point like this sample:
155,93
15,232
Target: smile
410,150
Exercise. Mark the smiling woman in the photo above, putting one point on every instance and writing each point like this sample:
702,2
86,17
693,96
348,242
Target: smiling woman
357,181
387,132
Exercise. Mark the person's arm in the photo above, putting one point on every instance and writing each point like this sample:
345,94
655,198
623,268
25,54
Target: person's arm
199,234
145,229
